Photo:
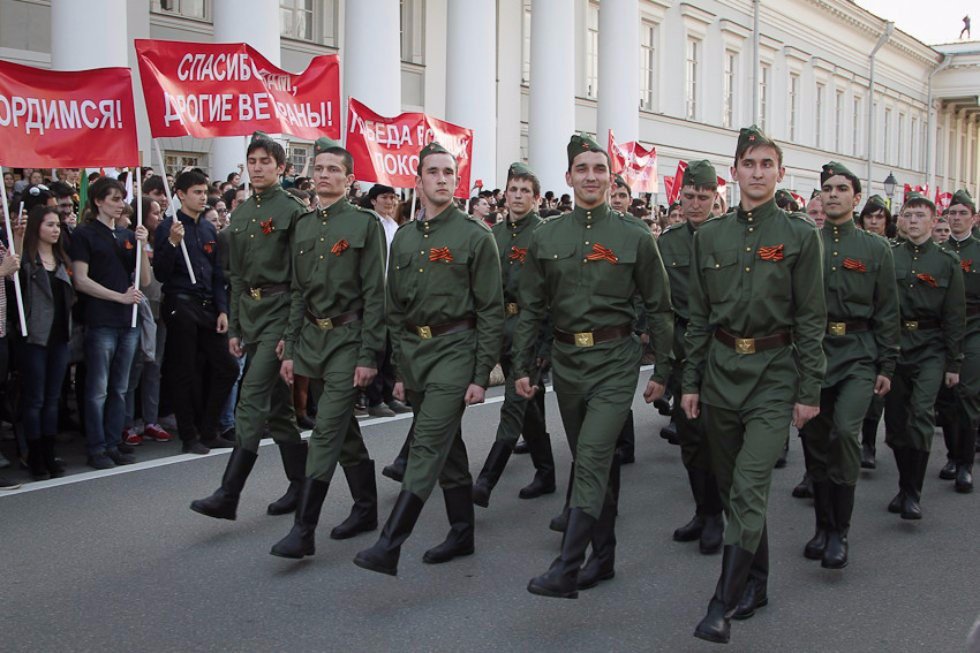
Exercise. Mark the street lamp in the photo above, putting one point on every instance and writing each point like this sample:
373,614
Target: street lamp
890,183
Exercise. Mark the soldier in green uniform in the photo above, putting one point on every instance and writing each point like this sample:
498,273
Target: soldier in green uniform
960,406
445,315
336,332
754,360
583,269
861,346
261,269
517,414
700,186
933,311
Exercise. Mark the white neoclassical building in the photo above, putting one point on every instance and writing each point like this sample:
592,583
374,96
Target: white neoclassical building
525,73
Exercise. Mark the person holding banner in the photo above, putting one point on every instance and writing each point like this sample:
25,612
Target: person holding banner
445,315
336,334
261,272
196,317
103,263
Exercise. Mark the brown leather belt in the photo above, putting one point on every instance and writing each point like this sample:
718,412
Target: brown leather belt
920,325
841,328
590,338
752,345
327,323
511,309
973,310
431,331
269,290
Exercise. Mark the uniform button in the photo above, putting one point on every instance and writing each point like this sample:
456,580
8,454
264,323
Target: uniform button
673,263
833,269
300,251
422,251
587,242
747,268
585,260
321,257
750,229
321,240
588,226
748,249
556,256
253,219
913,271
425,236
750,219
252,236
835,253
420,269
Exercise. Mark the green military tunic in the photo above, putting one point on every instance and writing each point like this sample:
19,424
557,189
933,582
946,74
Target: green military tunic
861,343
930,289
583,269
754,273
442,270
261,271
338,269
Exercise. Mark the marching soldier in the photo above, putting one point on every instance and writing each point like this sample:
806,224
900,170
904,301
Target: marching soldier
584,268
754,361
700,186
933,311
960,406
517,414
445,315
336,334
861,346
261,270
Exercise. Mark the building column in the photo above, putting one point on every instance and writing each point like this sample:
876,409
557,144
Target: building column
958,161
471,81
372,55
257,25
619,70
84,37
976,160
510,19
947,141
551,119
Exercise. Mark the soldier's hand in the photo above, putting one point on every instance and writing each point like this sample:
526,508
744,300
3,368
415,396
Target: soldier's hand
803,414
882,385
398,392
524,387
691,405
280,349
222,324
475,394
235,347
286,371
654,391
176,233
363,376
952,378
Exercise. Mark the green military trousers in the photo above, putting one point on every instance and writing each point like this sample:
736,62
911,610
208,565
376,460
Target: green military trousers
437,451
264,399
690,433
833,438
909,406
595,388
517,414
744,446
959,407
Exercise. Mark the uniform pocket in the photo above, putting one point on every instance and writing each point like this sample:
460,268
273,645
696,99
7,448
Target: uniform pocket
615,279
719,273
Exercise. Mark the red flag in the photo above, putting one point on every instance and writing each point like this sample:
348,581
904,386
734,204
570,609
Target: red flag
617,155
635,163
386,150
230,89
51,119
675,189
943,200
906,191
668,188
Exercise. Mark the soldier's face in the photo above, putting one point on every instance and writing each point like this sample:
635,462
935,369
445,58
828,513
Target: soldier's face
263,169
718,207
696,203
330,176
874,222
438,179
757,173
837,197
919,221
619,199
589,178
940,232
961,220
520,197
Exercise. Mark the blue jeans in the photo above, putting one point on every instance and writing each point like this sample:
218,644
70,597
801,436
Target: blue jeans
42,373
227,420
108,356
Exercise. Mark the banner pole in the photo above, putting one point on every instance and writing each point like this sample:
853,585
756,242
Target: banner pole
413,204
13,252
172,210
139,249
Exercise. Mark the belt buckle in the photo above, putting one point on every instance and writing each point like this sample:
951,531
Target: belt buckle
744,345
425,333
255,293
324,323
837,328
584,339
512,309
910,325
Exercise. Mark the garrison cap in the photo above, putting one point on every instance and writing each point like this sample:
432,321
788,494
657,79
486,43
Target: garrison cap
919,198
432,148
518,168
783,195
815,193
751,137
834,168
963,197
674,205
260,136
878,202
582,142
619,181
700,174
323,144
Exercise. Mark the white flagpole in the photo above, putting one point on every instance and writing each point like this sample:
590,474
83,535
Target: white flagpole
412,196
140,249
172,210
13,252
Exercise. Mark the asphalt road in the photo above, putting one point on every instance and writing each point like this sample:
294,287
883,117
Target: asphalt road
117,562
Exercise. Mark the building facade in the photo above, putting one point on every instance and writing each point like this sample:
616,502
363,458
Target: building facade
525,73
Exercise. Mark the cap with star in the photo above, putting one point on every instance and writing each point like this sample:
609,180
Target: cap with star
833,169
700,174
749,137
963,197
323,144
432,148
579,143
517,169
878,202
918,198
619,181
260,136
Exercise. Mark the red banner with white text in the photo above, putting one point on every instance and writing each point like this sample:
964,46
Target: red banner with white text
229,89
386,150
635,163
55,119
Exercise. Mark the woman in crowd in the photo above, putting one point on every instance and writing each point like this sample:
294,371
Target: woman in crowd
876,218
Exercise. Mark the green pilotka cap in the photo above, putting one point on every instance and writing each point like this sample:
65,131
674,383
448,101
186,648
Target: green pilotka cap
963,197
919,198
323,144
431,148
582,142
878,202
518,169
834,168
700,174
619,181
260,136
749,137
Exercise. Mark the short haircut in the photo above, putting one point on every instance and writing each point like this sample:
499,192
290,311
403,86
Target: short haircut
231,176
101,189
343,154
190,178
154,184
527,176
60,189
473,202
920,201
271,147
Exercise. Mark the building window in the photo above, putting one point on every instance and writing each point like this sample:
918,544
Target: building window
413,29
306,20
526,43
901,140
886,154
765,70
838,120
592,52
648,64
299,154
794,105
693,57
818,118
197,9
180,160
731,70
856,127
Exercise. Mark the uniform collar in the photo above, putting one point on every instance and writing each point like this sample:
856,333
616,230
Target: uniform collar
267,193
836,229
432,224
959,244
339,206
591,215
758,214
926,246
517,226
183,217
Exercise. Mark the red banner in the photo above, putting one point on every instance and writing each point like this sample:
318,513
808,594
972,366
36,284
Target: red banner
635,163
53,119
386,150
677,183
229,89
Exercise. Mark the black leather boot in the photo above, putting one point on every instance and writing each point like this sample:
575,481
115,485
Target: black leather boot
965,456
869,435
543,482
951,438
626,444
842,504
756,594
895,505
363,516
300,541
294,464
804,489
716,624
490,474
713,533
383,556
55,467
916,462
781,461
35,461
560,522
459,542
396,470
823,510
691,531
669,433
561,579
223,504
601,564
